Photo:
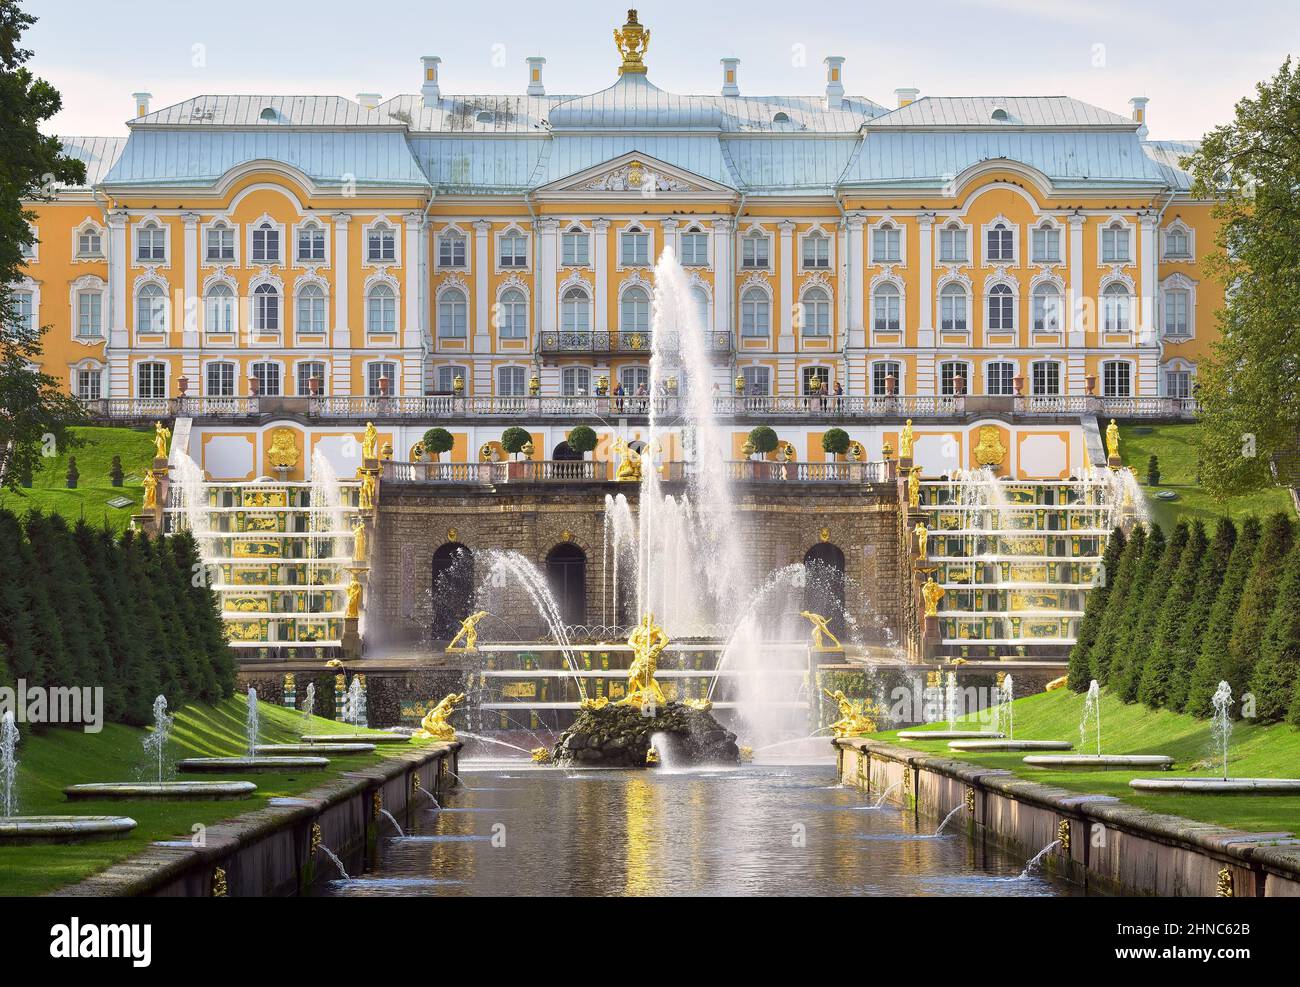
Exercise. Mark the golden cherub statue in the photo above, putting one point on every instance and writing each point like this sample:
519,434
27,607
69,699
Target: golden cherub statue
914,487
468,633
354,598
922,540
1112,440
150,489
647,640
359,541
856,718
161,436
931,593
905,439
820,631
434,726
370,443
629,462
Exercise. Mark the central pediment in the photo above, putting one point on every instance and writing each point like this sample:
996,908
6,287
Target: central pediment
637,174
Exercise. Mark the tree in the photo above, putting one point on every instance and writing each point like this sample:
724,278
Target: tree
1153,471
1250,404
1161,666
1080,669
1214,564
1275,674
581,439
1257,598
514,439
437,441
17,649
208,631
35,414
763,439
1103,648
835,441
1293,708
1211,662
1148,585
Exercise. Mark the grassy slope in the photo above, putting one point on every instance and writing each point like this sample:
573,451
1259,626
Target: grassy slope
56,758
49,489
1256,751
1175,447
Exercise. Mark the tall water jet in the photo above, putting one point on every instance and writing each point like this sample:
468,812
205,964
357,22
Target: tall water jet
8,765
1091,716
155,743
251,726
354,703
1221,725
950,700
1007,707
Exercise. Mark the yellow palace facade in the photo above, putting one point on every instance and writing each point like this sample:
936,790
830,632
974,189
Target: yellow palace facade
498,246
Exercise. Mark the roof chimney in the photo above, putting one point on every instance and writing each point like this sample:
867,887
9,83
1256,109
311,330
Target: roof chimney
141,101
834,81
906,96
429,90
730,77
1139,105
368,101
535,87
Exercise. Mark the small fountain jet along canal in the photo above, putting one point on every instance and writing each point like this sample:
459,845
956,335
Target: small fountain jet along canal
1090,729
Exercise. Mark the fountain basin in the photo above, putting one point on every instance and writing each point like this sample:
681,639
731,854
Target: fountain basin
949,735
343,749
1099,762
1010,745
248,765
160,791
354,738
1219,786
63,829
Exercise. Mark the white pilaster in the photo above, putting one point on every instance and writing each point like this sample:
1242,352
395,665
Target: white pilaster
482,272
1076,323
669,227
600,257
412,336
190,297
925,261
1147,282
547,268
785,341
341,365
117,351
856,271
724,287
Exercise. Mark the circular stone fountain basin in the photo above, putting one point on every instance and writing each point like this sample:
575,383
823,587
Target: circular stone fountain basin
949,735
246,765
1099,762
1225,786
355,738
1010,745
63,829
343,749
161,791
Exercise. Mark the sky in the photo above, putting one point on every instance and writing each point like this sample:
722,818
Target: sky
1193,58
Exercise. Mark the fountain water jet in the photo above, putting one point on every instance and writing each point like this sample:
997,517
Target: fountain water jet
156,742
1091,721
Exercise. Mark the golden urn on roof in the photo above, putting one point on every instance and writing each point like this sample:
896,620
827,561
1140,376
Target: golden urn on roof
632,41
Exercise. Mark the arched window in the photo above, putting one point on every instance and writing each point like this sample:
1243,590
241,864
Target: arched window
1047,308
451,249
1115,308
220,244
881,371
952,308
267,375
816,251
219,310
1001,309
1045,244
575,310
1115,244
1178,245
453,318
512,312
886,308
634,247
381,244
311,242
151,380
634,310
886,244
381,309
1117,379
816,312
266,244
150,242
575,381
695,247
755,313
573,247
311,310
753,251
952,244
266,308
307,371
1000,243
377,373
700,307
151,309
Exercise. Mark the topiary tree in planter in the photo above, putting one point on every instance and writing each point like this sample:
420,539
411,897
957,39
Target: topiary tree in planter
115,471
835,441
73,473
582,440
1153,472
437,441
514,439
763,439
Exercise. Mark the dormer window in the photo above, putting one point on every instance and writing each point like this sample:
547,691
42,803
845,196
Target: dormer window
781,118
1000,115
311,242
753,251
219,244
269,115
266,244
381,244
484,117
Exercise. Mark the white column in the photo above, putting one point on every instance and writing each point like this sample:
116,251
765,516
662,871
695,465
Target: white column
925,261
669,227
785,342
341,364
482,272
190,299
1147,285
548,265
117,352
411,335
724,286
600,258
1074,290
854,261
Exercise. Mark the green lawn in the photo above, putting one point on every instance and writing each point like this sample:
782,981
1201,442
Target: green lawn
1256,751
59,757
1175,447
94,490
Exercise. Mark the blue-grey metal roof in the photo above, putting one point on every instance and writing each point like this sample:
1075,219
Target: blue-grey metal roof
97,153
1002,111
700,154
478,164
265,111
776,165
1168,156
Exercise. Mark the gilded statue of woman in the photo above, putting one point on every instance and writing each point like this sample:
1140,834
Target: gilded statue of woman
905,439
931,593
922,540
150,489
1112,440
359,541
161,436
370,443
914,487
354,599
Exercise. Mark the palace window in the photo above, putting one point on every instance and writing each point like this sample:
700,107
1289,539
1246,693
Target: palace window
753,251
311,310
634,310
999,378
219,310
90,244
575,382
1178,245
1000,244
381,309
816,312
453,314
220,380
758,380
1001,309
267,375
952,308
1115,308
266,309
151,309
695,248
510,382
27,249
1116,379
816,252
949,372
381,244
1115,248
514,249
886,308
447,378
634,245
306,372
700,306
1178,383
1047,308
311,243
266,244
21,310
150,243
820,374
755,313
379,371
953,245
512,315
881,371
219,244
451,250
1177,308
89,385
575,248
1045,245
1045,376
575,311
151,381
886,244
90,314
634,378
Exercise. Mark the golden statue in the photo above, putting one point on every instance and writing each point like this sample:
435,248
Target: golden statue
914,487
541,755
856,452
647,640
990,451
161,436
1112,440
820,632
468,633
632,40
434,726
370,443
922,540
599,702
856,718
931,593
746,754
150,489
905,439
703,705
651,756
354,599
527,449
359,541
488,453
629,462
369,492
283,453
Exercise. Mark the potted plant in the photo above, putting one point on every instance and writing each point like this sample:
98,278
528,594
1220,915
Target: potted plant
836,442
115,475
582,440
513,441
73,473
763,440
438,441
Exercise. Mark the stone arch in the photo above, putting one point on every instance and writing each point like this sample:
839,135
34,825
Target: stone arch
566,575
452,575
824,567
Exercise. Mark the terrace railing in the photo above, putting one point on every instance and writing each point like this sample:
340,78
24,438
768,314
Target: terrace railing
599,471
